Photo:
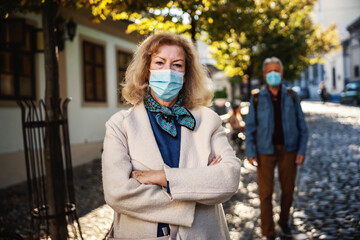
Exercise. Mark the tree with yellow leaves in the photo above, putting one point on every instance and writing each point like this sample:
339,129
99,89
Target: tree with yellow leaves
281,28
241,33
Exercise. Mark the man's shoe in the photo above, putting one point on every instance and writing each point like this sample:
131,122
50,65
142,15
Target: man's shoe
270,238
285,230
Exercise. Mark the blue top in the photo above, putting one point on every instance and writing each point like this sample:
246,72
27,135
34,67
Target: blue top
169,147
259,124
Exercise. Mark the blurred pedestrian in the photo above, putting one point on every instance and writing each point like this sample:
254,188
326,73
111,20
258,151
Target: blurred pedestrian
167,165
237,124
322,91
276,134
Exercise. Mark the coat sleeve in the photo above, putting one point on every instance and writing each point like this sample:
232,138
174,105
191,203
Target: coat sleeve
209,184
302,127
126,195
250,130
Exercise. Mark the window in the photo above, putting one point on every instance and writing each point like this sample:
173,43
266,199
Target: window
315,70
17,60
123,60
322,71
356,71
94,72
333,78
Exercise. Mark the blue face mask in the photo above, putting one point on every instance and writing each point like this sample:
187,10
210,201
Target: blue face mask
273,78
166,84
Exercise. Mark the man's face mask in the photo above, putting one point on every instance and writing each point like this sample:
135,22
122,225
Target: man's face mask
273,78
166,84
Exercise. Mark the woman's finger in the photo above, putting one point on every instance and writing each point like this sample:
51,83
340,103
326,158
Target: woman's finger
215,160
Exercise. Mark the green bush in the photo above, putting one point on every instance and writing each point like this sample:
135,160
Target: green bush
220,93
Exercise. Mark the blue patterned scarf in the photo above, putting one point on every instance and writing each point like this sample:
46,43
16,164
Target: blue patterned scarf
165,116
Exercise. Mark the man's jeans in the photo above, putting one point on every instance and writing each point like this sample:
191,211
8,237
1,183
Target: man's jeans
287,175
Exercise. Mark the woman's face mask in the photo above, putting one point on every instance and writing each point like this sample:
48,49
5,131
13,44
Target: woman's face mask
166,83
273,78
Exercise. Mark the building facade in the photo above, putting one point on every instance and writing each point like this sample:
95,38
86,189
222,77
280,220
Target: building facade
352,49
335,70
91,67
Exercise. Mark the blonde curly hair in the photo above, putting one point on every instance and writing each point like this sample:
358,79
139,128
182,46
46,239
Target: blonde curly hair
197,89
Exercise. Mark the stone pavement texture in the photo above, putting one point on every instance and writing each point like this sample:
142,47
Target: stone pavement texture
327,197
328,193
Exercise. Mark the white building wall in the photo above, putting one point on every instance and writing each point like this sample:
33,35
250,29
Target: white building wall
10,131
10,127
334,61
354,58
342,13
86,124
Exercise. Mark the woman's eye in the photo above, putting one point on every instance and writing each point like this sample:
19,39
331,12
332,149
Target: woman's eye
178,65
159,63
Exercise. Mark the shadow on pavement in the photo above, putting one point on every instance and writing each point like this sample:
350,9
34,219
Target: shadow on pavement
14,207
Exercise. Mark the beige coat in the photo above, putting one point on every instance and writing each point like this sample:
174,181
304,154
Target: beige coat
197,190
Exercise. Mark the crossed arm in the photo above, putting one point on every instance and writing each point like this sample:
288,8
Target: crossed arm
158,177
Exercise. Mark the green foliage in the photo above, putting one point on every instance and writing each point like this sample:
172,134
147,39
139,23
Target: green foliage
281,28
241,33
236,79
220,93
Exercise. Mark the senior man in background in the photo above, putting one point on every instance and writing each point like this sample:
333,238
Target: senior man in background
276,135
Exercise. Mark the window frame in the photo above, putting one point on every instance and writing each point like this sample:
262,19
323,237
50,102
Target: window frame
17,52
101,45
356,71
121,69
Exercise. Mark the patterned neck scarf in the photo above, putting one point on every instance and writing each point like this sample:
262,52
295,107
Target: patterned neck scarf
166,117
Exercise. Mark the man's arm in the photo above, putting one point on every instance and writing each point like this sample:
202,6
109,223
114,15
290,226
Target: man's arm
302,127
250,130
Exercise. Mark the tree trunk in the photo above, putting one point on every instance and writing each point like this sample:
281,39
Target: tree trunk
193,29
53,159
249,72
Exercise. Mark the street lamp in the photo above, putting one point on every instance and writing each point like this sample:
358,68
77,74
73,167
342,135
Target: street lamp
71,29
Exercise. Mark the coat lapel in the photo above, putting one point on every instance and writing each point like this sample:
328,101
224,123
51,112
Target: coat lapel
189,146
145,148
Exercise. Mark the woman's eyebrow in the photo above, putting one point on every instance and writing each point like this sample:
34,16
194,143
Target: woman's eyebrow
180,59
176,60
157,56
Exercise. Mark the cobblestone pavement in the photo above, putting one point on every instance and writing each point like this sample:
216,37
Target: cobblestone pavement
327,197
328,202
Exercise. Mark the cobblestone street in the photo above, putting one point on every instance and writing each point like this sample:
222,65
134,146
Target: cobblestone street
327,197
328,202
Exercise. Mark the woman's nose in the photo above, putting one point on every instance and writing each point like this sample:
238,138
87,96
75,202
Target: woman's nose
167,66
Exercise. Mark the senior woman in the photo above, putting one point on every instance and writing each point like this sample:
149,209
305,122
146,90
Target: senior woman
167,165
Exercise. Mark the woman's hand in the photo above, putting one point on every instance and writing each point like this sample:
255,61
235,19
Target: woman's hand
215,160
152,177
158,177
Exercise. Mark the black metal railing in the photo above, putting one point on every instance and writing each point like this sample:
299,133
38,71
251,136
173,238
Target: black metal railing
34,124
